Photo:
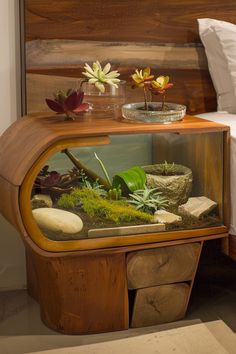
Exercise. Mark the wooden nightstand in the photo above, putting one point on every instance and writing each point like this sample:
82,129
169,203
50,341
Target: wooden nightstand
82,285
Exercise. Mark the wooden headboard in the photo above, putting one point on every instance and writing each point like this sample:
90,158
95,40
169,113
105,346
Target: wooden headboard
61,35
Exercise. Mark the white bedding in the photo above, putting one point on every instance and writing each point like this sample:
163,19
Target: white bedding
230,120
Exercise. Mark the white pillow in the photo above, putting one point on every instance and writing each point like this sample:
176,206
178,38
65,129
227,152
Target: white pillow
214,35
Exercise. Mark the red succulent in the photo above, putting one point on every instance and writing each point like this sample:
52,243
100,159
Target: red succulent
69,103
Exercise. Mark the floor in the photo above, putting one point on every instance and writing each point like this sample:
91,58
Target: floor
209,326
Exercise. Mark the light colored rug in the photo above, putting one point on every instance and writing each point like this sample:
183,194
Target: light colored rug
182,337
194,339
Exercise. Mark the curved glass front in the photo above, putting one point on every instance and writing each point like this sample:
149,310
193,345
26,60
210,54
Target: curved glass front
137,184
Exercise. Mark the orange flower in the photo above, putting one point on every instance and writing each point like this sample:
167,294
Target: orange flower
160,85
142,77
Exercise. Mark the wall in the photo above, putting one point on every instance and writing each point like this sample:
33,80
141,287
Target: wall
163,35
12,264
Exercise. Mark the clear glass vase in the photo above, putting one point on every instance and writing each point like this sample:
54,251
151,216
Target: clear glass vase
112,99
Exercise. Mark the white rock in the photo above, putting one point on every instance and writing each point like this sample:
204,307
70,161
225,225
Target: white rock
164,217
58,220
41,200
197,206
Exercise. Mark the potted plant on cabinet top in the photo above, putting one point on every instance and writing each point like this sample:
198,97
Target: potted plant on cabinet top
149,111
102,82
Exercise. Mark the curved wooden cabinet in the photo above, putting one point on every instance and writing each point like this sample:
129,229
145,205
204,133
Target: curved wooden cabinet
81,284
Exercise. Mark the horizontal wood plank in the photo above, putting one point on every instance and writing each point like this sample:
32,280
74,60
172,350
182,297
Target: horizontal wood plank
71,53
192,88
125,20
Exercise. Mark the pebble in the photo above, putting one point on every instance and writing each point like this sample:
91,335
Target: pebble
58,220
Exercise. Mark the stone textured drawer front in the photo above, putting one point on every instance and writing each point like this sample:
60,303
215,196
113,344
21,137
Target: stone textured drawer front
160,304
162,265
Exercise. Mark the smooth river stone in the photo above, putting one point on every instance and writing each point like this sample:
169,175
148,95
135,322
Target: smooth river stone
165,217
197,206
58,220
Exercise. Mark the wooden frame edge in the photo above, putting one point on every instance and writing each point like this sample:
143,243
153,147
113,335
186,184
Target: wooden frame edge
90,244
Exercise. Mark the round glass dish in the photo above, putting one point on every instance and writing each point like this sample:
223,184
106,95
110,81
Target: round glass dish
135,112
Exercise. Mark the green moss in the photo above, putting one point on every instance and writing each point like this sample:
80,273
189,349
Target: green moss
67,201
95,206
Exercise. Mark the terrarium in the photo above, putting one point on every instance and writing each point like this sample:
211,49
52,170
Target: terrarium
129,185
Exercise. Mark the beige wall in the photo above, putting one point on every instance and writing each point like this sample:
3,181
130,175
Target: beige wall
12,264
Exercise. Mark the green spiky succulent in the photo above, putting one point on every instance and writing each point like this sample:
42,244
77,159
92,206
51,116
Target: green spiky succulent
167,169
148,200
94,185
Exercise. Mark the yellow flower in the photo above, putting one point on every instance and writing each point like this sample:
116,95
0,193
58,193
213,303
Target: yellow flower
161,84
142,77
100,76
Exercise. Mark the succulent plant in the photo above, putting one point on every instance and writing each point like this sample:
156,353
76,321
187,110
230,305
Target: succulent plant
160,86
99,76
114,193
144,79
69,103
92,185
167,169
148,200
54,183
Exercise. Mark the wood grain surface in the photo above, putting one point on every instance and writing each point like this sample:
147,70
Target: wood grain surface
62,35
124,20
71,53
192,88
162,265
187,150
58,64
160,304
81,295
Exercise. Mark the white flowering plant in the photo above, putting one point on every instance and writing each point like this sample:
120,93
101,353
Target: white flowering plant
100,77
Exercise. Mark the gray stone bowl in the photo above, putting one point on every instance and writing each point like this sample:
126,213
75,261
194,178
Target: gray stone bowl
175,187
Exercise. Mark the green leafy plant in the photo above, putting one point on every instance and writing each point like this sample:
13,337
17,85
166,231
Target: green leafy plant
130,180
114,192
148,200
90,184
97,207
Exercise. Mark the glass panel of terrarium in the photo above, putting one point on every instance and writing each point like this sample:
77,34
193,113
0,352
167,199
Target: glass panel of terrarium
124,151
203,155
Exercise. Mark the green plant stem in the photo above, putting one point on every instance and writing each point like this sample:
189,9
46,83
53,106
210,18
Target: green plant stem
82,82
163,102
104,170
145,98
88,172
